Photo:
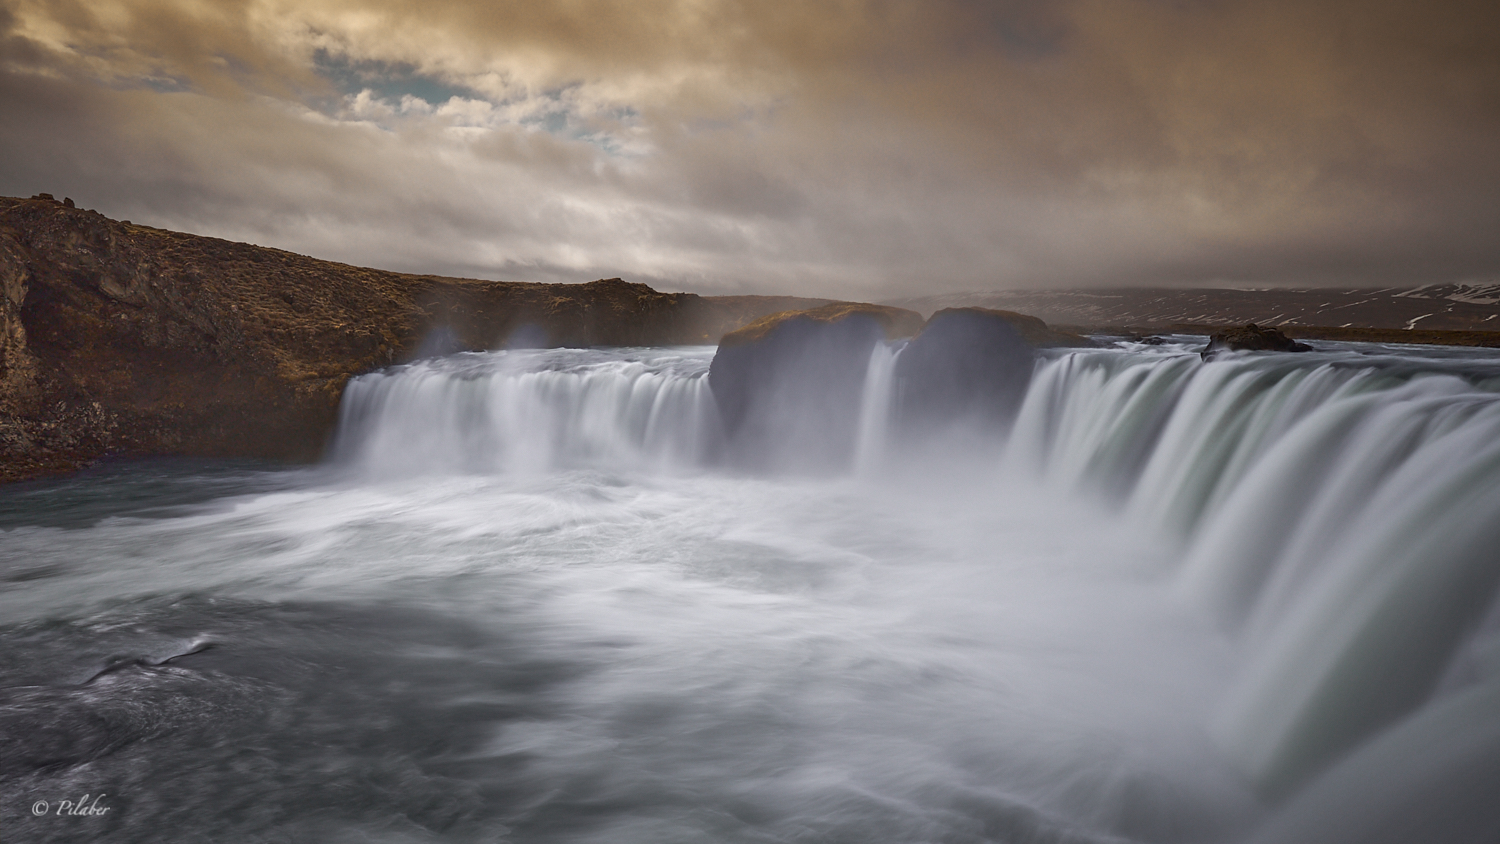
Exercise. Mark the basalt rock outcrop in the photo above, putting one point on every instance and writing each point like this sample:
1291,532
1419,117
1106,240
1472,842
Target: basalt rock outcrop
1251,337
970,366
124,339
788,385
1036,333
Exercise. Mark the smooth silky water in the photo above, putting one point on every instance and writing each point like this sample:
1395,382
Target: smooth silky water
527,600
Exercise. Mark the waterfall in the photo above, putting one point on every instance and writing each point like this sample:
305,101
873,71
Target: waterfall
531,411
871,441
1337,514
1340,515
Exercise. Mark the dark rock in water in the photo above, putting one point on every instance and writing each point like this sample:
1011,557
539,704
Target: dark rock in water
1036,333
788,386
1251,338
895,322
969,365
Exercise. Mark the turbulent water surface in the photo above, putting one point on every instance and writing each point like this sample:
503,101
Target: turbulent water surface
529,600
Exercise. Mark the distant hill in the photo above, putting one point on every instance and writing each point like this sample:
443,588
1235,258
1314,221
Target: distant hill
1452,307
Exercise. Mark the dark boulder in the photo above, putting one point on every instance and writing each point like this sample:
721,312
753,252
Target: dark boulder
969,366
788,386
896,323
1253,338
1036,333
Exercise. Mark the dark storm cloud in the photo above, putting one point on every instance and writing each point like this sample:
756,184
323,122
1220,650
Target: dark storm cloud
848,147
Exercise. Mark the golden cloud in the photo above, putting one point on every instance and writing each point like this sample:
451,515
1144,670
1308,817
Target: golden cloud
852,147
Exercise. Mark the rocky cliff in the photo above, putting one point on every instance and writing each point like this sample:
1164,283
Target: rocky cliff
124,339
970,367
790,386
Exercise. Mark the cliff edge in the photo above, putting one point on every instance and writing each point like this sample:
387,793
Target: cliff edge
124,339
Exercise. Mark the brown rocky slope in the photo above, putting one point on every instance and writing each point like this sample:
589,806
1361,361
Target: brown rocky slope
124,339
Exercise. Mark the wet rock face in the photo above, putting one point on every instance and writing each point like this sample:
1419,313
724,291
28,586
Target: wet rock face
1251,338
1034,331
788,386
894,322
968,366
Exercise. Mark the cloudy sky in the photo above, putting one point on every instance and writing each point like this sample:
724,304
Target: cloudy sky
858,148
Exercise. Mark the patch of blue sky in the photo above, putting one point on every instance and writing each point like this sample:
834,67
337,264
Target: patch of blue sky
386,80
558,115
607,143
161,84
553,123
554,111
624,114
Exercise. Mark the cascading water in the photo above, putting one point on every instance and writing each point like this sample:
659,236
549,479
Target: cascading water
1342,512
531,411
532,600
872,439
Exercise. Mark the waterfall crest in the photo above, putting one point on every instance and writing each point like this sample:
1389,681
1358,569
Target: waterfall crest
531,411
